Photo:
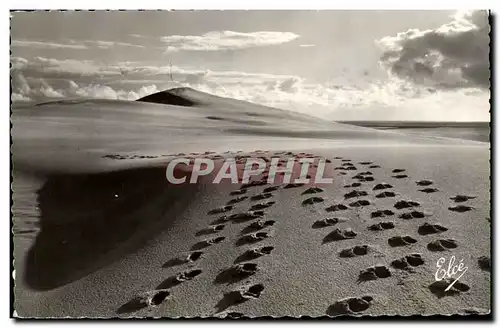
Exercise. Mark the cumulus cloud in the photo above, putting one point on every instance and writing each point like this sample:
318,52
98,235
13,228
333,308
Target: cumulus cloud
455,55
226,40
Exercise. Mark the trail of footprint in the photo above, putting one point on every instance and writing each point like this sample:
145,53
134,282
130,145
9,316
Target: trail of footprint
257,225
206,243
313,200
328,222
261,196
427,229
441,245
461,208
350,306
355,251
194,256
236,273
381,213
239,296
252,238
220,210
210,230
401,241
355,193
374,273
148,299
438,288
338,234
237,200
462,198
408,262
382,186
254,253
262,206
406,204
381,226
179,278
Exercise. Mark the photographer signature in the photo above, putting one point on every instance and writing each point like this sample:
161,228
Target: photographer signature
451,272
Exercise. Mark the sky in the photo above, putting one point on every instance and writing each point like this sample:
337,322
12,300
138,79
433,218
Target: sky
342,65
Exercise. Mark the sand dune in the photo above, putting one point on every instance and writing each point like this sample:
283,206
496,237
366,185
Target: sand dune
114,238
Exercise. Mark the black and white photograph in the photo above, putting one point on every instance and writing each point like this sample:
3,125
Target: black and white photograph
245,164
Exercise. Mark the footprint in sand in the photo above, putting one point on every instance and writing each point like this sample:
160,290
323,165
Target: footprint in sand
328,222
336,207
262,196
148,299
211,230
441,245
386,194
239,296
408,262
412,215
381,213
338,234
252,238
262,206
355,193
484,263
360,203
243,216
293,185
353,185
270,189
438,288
256,183
382,186
400,176
461,208
355,251
257,225
312,190
237,200
398,170
191,258
427,229
381,226
365,173
254,253
238,192
365,163
206,243
462,198
346,160
234,315
406,204
179,278
398,241
236,273
363,178
374,273
374,166
313,200
429,190
220,210
350,306
424,182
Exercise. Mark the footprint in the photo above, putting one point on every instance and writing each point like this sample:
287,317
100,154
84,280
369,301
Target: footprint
236,273
359,203
386,194
254,253
408,262
427,229
363,178
381,226
194,256
424,183
141,301
461,208
346,160
220,210
312,190
412,215
338,234
337,207
462,198
271,189
337,157
400,176
206,243
441,245
438,288
328,222
401,241
237,200
179,278
244,216
210,230
365,173
374,166
262,206
313,200
365,163
398,170
429,190
234,315
252,238
382,186
261,196
349,306
382,213
484,263
354,251
353,185
258,225
238,192
239,296
405,204
293,185
355,193
374,273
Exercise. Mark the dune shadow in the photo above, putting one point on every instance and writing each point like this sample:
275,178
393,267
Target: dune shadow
88,220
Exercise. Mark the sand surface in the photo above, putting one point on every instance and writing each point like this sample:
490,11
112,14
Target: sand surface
90,242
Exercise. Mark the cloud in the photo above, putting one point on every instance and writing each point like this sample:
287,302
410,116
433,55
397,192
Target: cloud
455,55
226,40
72,44
46,45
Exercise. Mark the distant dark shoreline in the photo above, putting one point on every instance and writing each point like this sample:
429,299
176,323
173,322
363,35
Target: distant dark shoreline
417,124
